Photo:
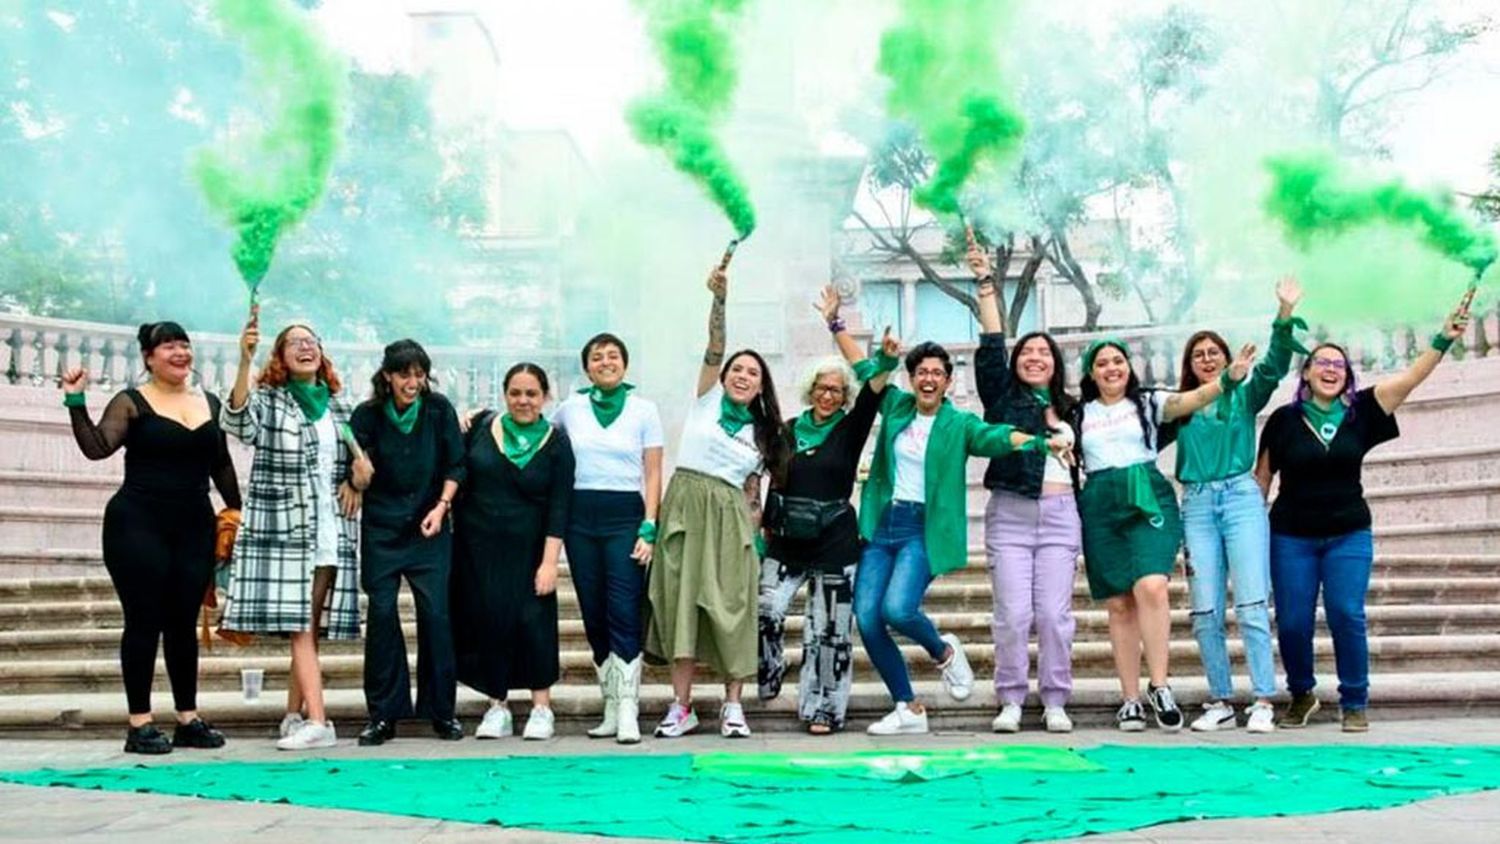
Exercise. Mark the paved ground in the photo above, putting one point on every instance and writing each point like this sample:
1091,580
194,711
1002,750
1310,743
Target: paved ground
33,814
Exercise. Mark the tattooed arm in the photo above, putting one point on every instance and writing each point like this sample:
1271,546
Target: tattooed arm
713,353
752,499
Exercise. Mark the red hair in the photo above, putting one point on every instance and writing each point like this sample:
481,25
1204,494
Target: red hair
274,373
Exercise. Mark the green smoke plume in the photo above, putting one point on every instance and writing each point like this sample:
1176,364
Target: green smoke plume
266,182
940,58
692,40
1316,198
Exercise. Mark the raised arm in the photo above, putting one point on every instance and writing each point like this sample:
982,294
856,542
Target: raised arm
1273,367
1393,390
96,441
989,302
1179,405
713,353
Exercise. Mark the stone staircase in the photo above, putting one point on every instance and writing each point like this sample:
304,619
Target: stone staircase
1434,603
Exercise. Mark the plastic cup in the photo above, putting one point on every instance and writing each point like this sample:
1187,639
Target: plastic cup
252,680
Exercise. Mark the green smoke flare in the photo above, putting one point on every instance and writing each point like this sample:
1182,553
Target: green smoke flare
264,183
1316,198
692,40
945,79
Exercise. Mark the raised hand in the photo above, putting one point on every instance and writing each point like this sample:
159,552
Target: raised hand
977,258
718,282
1288,294
1242,363
250,337
75,380
828,303
1458,321
890,346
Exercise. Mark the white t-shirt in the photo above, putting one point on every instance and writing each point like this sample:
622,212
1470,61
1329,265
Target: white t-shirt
1056,471
609,459
911,460
326,548
1112,437
706,448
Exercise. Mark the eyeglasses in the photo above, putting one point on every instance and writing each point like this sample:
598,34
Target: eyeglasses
304,343
930,373
827,390
1330,363
1212,352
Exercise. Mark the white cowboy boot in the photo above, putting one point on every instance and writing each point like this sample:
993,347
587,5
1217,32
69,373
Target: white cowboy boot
628,690
609,687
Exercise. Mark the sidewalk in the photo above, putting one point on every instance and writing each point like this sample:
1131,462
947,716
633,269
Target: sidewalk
37,814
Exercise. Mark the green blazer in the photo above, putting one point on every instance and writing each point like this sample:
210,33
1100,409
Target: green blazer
956,435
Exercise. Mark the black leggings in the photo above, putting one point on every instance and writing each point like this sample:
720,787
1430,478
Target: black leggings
160,555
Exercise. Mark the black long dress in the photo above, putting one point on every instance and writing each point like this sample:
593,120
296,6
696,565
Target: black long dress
505,635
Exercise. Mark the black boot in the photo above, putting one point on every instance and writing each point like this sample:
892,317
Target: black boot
197,733
148,740
377,733
448,730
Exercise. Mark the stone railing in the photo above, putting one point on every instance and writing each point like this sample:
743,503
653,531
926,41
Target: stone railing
37,352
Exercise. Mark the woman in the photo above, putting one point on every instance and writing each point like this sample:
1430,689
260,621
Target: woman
913,514
159,527
1131,526
814,536
1320,523
410,435
1224,517
1031,526
295,567
701,590
510,524
617,448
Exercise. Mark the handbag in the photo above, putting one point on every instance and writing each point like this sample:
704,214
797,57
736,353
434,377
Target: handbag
792,517
226,529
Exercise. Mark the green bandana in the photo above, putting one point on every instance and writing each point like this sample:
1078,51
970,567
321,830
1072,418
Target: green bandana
733,417
1096,346
870,367
1286,327
1325,423
521,442
1141,496
608,404
809,433
1043,396
404,420
311,397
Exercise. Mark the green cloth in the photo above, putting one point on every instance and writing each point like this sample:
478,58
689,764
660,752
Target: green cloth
1324,423
669,797
1442,342
882,363
1218,442
1131,528
608,404
733,417
647,532
75,400
404,420
908,765
520,442
1095,347
311,397
956,435
809,433
1043,396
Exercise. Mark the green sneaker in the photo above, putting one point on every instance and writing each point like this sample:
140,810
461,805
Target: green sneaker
1301,710
1355,721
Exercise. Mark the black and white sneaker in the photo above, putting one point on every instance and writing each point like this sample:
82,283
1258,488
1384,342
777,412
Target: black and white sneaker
1168,716
1132,717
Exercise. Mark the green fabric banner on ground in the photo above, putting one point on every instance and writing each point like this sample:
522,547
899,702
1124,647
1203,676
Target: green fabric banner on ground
1000,794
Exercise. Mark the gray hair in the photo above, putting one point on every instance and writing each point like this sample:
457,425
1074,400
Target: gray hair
827,366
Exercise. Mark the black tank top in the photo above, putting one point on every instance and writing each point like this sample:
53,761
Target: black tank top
163,457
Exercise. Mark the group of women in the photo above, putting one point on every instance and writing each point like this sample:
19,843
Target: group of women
475,513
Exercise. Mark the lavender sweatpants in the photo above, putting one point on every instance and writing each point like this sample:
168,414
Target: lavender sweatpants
1032,545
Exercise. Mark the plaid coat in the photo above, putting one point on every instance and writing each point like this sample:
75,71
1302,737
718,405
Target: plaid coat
270,587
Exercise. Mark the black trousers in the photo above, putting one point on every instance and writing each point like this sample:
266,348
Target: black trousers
387,556
159,553
611,586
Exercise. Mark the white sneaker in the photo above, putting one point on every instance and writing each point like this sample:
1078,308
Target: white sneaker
678,722
958,677
1009,719
540,724
732,723
900,721
1217,715
309,736
1260,718
1057,720
497,723
289,723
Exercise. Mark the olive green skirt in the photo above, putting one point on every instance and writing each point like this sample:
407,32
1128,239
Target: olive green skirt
1121,542
704,581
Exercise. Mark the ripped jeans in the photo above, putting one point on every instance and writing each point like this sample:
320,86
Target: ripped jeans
1229,539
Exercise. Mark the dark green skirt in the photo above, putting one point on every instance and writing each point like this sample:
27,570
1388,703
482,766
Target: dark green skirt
1121,543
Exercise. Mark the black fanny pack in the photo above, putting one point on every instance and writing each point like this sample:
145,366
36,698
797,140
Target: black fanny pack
791,517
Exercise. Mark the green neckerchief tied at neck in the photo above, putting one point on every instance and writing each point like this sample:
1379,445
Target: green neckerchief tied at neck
312,397
1325,423
1043,396
810,433
607,404
733,417
404,420
520,442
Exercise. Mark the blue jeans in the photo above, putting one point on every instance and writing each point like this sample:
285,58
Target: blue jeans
1341,566
1229,537
893,576
611,586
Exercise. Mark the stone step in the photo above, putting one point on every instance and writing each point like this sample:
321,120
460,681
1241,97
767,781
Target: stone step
20,488
220,672
1411,466
1092,625
102,714
1478,537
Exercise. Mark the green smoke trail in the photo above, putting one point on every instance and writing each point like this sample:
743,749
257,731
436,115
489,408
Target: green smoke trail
266,183
940,58
1316,198
691,38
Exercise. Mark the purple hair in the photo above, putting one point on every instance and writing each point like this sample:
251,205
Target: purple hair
1351,386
